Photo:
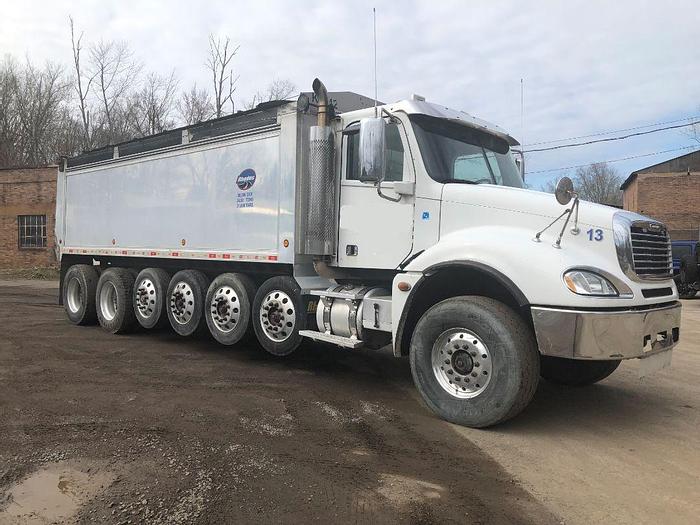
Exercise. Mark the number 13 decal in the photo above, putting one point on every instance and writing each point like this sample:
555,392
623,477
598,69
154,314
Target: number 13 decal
595,235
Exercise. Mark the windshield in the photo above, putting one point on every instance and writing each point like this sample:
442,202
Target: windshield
453,152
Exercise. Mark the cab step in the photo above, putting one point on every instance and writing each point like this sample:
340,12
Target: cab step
339,340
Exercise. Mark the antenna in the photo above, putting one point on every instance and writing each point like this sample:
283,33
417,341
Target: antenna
522,117
374,15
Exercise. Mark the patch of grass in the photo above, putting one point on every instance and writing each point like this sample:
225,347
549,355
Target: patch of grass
42,273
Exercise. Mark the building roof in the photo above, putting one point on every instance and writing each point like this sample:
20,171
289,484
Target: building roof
683,164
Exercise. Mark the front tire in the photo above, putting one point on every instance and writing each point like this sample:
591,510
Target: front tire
574,372
474,361
278,315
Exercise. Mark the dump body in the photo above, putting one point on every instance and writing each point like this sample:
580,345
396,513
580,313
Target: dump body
230,197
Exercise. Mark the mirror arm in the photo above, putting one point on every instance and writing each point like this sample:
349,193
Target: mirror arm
382,195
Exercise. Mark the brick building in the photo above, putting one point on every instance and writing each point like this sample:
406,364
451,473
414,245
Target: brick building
669,192
27,213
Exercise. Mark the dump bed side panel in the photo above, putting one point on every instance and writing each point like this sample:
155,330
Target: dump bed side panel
217,200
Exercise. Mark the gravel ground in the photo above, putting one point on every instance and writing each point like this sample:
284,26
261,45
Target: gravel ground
153,428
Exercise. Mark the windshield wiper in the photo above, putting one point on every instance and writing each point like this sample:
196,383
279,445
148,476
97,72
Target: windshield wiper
460,181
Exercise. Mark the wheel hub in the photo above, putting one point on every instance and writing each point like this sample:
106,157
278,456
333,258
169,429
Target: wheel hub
277,316
182,302
461,363
74,295
145,298
225,309
108,301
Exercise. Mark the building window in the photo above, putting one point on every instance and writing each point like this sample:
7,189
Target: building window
31,231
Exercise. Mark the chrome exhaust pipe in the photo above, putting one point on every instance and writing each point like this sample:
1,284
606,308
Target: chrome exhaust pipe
322,97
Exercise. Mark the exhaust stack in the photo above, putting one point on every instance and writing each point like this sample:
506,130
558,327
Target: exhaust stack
322,97
319,195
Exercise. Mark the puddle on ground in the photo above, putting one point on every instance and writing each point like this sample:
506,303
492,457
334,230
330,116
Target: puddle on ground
53,494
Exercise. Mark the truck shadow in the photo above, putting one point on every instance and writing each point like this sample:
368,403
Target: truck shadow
554,408
600,407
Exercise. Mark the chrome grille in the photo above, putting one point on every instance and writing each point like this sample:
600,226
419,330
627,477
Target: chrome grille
651,250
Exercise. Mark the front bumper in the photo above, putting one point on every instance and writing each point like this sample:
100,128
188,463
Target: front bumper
602,334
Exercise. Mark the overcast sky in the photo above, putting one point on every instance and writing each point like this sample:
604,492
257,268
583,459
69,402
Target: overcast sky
587,66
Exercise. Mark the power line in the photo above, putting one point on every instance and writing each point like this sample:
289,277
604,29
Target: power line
601,133
611,139
613,160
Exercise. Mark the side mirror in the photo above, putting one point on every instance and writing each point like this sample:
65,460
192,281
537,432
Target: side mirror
564,191
372,149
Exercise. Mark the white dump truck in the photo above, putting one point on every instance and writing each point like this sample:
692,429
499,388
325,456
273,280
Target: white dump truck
334,219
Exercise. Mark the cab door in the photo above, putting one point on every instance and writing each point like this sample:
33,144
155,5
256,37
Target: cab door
375,232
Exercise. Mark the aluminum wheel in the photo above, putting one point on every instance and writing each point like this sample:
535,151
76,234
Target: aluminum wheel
461,363
277,316
182,302
74,295
225,309
108,301
146,298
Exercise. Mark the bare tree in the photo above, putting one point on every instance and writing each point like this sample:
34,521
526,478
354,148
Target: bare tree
153,105
33,113
82,85
115,71
9,121
39,98
195,105
597,182
221,52
279,89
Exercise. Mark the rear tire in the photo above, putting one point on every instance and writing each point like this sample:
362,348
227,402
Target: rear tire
574,372
185,301
115,311
228,307
149,298
79,287
474,361
278,315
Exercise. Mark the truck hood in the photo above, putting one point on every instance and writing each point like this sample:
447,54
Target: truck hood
541,207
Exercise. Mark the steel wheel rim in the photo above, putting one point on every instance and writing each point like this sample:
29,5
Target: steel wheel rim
146,298
74,295
108,301
277,316
182,302
225,309
461,363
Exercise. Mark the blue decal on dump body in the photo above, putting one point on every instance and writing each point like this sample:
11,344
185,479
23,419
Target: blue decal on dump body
426,216
246,179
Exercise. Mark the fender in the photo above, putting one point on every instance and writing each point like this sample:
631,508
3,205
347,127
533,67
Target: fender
496,275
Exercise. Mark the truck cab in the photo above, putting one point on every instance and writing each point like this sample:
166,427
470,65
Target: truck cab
438,201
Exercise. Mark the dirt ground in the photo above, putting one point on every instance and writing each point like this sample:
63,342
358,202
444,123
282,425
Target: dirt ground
153,428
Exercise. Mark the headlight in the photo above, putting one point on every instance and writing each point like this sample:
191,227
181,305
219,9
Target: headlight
583,282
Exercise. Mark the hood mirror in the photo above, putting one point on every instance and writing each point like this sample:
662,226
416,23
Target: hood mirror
564,191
